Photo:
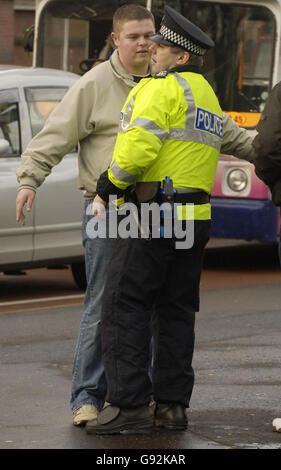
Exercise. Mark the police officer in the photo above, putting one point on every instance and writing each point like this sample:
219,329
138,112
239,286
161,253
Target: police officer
171,126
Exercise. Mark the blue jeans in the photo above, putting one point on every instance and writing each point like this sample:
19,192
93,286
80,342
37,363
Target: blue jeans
88,379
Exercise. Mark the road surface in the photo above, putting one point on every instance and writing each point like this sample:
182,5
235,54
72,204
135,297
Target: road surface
237,359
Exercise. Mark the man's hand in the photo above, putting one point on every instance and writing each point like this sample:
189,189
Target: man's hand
25,196
99,206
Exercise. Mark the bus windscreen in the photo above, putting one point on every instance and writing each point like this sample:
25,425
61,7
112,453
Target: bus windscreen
239,68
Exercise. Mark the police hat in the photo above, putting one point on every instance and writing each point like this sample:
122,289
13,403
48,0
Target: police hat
176,30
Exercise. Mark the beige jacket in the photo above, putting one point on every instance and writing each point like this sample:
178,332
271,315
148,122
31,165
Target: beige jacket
88,116
237,141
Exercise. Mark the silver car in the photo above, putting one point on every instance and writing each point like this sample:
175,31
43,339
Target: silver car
52,233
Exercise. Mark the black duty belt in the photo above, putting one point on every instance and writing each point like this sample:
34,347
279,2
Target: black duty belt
191,197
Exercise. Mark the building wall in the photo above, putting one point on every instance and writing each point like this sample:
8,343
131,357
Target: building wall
7,31
15,17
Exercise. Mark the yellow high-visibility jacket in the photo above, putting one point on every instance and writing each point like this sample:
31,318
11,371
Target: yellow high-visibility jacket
169,126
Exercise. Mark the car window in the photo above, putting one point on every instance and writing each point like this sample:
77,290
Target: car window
41,102
9,121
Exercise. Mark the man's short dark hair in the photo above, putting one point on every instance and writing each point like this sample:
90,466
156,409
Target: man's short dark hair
130,12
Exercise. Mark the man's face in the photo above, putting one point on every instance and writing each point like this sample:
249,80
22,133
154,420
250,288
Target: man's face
162,58
133,44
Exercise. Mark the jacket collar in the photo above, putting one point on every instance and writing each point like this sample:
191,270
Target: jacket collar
119,71
186,68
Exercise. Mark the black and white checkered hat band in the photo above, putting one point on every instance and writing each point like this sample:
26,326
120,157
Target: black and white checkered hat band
180,41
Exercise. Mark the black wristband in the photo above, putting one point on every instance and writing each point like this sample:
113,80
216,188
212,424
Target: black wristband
105,188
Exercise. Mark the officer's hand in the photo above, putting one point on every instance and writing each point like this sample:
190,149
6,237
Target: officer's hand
25,197
99,206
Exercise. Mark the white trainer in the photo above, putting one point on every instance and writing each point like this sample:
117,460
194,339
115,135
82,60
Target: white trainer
276,424
84,414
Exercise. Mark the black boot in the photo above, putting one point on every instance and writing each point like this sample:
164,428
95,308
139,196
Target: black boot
115,420
171,416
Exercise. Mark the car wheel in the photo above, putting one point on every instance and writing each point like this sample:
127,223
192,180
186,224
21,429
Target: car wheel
79,275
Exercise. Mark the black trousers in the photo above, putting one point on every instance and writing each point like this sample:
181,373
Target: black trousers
148,277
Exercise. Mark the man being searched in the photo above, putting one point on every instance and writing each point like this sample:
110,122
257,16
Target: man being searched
89,115
171,126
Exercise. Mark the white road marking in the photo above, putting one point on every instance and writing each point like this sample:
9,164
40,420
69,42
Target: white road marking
42,299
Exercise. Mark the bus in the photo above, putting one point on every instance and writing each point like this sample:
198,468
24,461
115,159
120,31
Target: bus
242,68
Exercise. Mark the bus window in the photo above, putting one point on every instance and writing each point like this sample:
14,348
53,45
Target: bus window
72,34
65,42
240,66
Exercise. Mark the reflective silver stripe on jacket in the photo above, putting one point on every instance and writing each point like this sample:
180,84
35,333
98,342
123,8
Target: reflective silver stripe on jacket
125,116
190,133
150,126
146,124
122,175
